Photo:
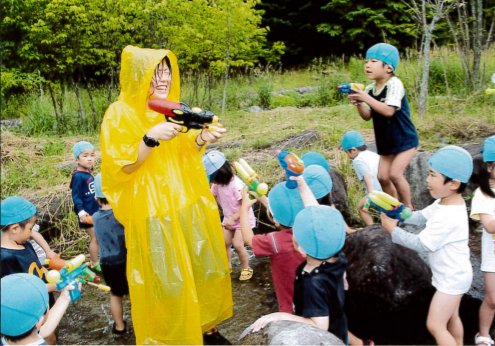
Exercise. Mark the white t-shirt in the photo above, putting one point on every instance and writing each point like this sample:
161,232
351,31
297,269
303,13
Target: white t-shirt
395,91
483,204
366,162
446,235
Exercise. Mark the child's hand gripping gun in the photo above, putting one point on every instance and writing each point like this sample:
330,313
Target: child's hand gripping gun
387,204
73,272
250,178
292,165
182,114
349,88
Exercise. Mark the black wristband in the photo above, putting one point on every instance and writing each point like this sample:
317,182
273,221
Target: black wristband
150,141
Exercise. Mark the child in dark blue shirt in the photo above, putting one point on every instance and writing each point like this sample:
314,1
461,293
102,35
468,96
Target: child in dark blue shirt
386,103
111,241
83,195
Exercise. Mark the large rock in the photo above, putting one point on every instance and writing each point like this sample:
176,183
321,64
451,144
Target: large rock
390,290
290,333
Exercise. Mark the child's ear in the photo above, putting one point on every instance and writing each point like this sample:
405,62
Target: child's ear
15,228
389,69
454,185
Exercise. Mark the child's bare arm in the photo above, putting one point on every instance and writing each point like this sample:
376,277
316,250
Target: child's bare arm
306,194
488,222
246,230
377,106
38,238
319,322
57,312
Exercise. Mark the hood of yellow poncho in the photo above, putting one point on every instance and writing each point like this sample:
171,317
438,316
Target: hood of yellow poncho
136,72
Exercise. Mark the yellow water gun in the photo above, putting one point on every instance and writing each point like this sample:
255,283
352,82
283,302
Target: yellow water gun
250,177
383,202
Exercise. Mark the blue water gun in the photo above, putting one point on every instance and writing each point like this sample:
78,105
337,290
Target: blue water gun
292,165
349,88
73,272
383,202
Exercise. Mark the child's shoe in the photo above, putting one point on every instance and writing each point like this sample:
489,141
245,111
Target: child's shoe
96,267
246,274
117,331
213,337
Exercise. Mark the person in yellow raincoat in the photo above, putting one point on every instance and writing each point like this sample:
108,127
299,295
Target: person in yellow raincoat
177,266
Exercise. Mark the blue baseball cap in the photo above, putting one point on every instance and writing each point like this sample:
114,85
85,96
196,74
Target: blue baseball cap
24,300
97,184
315,158
488,149
384,52
213,161
16,209
453,162
320,231
318,180
284,204
352,139
79,147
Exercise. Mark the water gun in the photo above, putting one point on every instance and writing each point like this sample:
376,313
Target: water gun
182,114
387,204
349,88
292,165
250,177
73,272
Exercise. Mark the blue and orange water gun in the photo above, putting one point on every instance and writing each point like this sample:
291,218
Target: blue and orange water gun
383,202
292,165
73,272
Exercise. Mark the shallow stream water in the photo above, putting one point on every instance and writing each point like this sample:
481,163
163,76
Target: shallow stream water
88,321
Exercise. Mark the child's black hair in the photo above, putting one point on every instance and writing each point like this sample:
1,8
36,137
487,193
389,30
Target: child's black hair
484,179
326,200
362,147
22,224
102,200
223,175
19,337
461,187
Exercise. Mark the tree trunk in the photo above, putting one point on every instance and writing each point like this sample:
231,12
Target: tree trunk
58,116
93,109
82,113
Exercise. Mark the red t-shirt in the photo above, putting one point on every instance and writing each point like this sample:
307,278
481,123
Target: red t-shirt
284,260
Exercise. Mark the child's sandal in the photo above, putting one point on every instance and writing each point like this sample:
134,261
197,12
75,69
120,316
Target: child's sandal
246,274
483,340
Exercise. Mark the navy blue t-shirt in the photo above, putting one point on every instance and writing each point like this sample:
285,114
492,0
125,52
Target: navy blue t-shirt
25,260
397,133
321,293
110,235
83,192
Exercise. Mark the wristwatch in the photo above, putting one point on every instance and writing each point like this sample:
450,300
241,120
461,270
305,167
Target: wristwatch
150,141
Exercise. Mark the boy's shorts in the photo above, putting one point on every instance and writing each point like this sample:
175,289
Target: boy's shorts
114,275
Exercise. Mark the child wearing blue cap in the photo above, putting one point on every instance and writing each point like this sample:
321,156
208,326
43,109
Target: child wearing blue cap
227,190
83,195
24,310
385,101
365,163
319,235
111,242
444,239
483,209
17,255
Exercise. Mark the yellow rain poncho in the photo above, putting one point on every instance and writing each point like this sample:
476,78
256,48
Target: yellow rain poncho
176,260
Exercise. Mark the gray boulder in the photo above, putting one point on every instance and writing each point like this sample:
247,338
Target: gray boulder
290,333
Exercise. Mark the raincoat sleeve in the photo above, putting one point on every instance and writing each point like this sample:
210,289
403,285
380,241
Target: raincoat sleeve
120,136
